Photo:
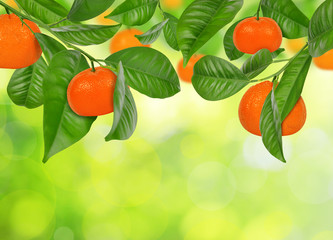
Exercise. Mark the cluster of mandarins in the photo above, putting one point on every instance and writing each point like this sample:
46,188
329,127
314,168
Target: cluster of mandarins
90,93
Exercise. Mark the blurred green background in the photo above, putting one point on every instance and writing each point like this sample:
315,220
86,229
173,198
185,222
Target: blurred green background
190,171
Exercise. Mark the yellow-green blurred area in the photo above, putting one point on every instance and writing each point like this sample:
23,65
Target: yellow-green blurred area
190,171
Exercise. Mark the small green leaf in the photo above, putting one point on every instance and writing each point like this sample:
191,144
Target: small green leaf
86,34
201,20
293,23
125,115
152,34
86,9
257,63
134,12
215,79
270,127
321,30
47,11
230,49
291,84
147,71
62,127
277,52
170,31
49,45
25,87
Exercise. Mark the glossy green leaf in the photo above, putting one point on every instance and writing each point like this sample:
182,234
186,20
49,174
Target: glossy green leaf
291,84
147,71
230,49
25,87
47,11
321,30
86,34
270,127
152,34
125,115
170,31
277,52
62,127
257,63
201,20
293,23
82,10
134,12
215,79
49,46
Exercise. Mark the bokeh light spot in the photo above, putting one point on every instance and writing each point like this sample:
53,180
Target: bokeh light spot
192,146
211,186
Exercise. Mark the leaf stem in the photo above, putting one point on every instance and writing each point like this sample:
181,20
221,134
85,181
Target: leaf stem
93,67
258,11
62,20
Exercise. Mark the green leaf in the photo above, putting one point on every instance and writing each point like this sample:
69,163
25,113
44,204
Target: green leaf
293,23
86,9
291,84
25,87
170,31
47,11
277,52
86,34
257,63
230,49
147,71
270,127
321,30
49,46
125,115
215,78
134,12
62,127
152,34
201,20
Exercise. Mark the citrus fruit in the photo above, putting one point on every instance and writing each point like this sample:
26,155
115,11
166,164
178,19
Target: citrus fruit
105,21
295,45
12,3
186,73
172,4
91,93
325,61
126,39
251,35
18,46
251,105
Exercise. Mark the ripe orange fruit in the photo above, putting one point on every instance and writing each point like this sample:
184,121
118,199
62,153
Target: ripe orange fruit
105,21
186,73
91,93
172,4
126,39
325,61
295,45
251,105
18,46
251,35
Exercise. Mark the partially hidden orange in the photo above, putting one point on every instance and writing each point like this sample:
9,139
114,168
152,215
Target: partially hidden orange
186,73
126,39
325,61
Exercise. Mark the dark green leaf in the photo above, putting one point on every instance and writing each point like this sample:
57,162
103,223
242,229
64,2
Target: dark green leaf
62,127
270,127
215,79
321,30
48,11
277,52
293,23
134,12
25,87
86,34
291,85
201,20
49,45
125,115
230,49
257,63
147,71
170,31
152,34
86,9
